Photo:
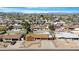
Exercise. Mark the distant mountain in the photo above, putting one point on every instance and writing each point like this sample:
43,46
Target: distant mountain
40,9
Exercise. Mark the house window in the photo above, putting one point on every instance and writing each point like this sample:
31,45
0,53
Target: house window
14,39
8,39
1,40
38,38
45,39
75,39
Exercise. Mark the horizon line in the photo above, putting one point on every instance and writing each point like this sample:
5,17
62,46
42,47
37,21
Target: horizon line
40,9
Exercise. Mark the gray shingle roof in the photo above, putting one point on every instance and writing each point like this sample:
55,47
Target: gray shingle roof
66,35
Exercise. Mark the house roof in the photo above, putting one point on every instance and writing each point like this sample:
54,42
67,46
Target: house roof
38,26
76,29
41,32
66,35
73,26
12,36
42,36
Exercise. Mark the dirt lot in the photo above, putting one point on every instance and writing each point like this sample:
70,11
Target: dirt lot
43,44
47,44
66,43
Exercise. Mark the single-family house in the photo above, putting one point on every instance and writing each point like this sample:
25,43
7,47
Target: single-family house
75,31
17,26
39,27
10,37
73,26
66,35
38,37
59,23
42,35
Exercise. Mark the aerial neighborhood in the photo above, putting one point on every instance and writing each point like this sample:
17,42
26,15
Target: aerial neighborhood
39,31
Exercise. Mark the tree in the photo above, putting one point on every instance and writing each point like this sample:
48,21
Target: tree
52,29
11,27
26,26
74,15
60,18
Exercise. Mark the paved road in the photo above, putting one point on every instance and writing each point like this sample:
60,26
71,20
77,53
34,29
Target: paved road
47,44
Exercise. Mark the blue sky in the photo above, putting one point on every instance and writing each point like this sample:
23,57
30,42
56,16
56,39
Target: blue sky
39,9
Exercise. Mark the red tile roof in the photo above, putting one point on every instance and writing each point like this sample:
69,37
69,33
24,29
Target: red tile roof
36,36
40,35
16,36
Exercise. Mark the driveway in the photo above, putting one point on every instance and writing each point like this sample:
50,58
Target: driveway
47,44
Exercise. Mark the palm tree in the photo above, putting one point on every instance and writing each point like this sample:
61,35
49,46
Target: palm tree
26,26
52,30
